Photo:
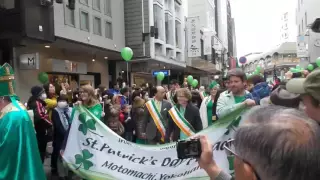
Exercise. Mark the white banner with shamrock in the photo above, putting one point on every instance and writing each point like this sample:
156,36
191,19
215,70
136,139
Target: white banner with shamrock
95,152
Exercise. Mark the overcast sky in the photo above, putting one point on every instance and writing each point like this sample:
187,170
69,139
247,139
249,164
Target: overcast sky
258,23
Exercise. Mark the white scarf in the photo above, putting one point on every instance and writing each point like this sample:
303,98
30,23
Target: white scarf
203,111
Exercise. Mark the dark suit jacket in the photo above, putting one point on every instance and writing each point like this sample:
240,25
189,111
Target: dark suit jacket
192,115
152,132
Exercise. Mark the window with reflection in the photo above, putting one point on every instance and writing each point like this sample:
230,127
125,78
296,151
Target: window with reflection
158,20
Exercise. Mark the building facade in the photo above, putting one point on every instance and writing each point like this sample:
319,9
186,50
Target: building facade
71,42
307,12
204,10
288,31
154,29
276,61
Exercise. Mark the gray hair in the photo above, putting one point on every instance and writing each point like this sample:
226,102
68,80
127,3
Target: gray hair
280,143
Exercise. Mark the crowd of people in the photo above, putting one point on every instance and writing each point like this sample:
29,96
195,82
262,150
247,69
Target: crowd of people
275,139
279,139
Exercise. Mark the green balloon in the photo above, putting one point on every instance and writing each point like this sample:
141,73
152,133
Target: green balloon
126,53
43,77
318,61
310,67
160,76
190,79
292,70
194,83
258,69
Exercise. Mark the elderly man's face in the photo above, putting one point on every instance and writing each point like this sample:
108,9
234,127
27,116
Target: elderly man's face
243,171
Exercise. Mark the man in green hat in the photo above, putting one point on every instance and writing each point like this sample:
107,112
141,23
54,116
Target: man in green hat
309,88
19,154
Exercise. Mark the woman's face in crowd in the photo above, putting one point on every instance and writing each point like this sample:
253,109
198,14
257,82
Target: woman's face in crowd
52,89
182,100
127,109
214,91
83,95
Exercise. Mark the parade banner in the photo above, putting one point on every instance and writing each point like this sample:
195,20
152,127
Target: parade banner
95,152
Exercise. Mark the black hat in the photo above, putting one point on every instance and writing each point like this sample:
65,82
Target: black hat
282,97
36,91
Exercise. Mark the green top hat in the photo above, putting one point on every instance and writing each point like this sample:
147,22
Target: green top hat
7,82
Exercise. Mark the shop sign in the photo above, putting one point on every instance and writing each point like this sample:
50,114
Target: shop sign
29,61
207,47
165,72
302,50
194,37
66,66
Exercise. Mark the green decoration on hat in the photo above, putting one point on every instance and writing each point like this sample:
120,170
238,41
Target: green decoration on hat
194,83
43,78
126,53
318,61
310,67
190,79
213,84
7,82
160,76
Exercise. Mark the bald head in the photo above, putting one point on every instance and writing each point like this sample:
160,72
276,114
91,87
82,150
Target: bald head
275,140
160,93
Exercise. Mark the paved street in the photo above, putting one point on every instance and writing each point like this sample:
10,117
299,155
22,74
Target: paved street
47,164
47,167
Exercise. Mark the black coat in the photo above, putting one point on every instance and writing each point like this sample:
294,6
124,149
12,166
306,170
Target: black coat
192,115
59,132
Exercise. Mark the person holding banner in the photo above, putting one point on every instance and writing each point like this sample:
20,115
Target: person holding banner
206,109
90,101
185,117
287,148
229,101
157,117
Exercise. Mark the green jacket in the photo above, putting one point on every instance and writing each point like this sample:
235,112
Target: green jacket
226,104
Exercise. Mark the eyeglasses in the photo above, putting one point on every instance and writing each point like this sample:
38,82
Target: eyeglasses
230,151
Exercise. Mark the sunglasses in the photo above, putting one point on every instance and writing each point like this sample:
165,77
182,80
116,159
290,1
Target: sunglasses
230,151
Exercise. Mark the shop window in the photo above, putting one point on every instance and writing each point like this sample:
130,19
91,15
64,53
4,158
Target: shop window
69,18
84,21
97,26
85,2
96,5
108,30
107,8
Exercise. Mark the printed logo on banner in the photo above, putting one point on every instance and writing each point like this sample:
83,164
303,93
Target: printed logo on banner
94,151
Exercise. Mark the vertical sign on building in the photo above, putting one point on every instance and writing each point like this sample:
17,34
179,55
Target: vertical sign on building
207,47
194,36
302,50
